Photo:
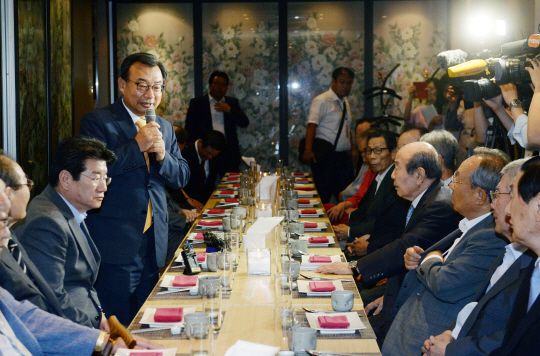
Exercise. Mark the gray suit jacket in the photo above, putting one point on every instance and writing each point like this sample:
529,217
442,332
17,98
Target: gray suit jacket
67,259
29,286
432,295
483,331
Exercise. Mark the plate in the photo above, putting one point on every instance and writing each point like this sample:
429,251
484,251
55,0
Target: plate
226,213
330,241
352,318
148,317
127,352
167,282
312,203
303,193
303,287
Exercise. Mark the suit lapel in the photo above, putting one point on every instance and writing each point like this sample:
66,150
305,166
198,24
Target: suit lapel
418,213
383,187
124,120
10,263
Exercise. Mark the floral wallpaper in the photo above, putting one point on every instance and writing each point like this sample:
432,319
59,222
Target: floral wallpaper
322,37
411,35
241,40
166,31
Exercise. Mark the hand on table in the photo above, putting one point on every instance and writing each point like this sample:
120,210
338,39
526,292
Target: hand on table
190,215
412,257
377,304
335,268
358,247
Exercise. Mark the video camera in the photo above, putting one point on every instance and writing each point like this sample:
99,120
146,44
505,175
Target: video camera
479,75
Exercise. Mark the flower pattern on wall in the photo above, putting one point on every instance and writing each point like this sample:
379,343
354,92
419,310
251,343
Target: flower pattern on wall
313,55
253,69
405,44
177,60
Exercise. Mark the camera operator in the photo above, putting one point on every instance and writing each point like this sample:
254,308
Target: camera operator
481,123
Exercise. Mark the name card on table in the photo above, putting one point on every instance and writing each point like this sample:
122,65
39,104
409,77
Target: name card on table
258,262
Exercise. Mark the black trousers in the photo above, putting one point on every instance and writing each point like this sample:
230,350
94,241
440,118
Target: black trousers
333,171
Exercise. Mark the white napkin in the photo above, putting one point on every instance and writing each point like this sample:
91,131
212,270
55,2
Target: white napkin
256,235
248,160
268,188
246,348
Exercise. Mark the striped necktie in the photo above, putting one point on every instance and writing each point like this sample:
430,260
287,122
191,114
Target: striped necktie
140,124
409,214
15,251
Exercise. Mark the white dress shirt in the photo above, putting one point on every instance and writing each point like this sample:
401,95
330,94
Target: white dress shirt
206,163
218,122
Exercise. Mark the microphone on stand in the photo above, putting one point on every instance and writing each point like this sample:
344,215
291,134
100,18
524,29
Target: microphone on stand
150,115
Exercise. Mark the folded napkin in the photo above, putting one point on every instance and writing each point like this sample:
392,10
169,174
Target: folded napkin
320,259
210,223
246,348
232,178
146,354
301,179
308,211
185,281
199,236
334,322
168,315
304,201
232,200
226,192
322,286
201,256
234,173
304,188
236,185
319,240
299,174
216,211
310,225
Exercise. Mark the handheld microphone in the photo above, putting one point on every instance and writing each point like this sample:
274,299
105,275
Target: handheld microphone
451,58
476,66
150,115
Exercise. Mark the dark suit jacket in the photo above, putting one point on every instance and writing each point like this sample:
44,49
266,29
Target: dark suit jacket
483,331
523,327
196,187
199,122
432,295
117,227
67,259
20,284
362,220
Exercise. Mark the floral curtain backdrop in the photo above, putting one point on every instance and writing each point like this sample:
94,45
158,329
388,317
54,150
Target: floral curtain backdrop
322,36
242,40
411,33
166,31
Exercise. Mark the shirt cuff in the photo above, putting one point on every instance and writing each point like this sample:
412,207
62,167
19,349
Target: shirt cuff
431,257
518,131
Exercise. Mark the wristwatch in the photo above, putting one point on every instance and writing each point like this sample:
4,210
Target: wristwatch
354,269
516,103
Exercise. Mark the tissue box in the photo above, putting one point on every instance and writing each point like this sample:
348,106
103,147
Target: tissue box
258,262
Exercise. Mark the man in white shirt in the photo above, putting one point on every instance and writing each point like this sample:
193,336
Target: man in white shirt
329,145
480,325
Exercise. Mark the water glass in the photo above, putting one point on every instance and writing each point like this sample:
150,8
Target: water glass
201,339
284,320
212,304
225,271
283,253
283,290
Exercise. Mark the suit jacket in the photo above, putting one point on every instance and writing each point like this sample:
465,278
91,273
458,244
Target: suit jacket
197,188
67,259
523,327
117,227
29,286
483,331
199,122
432,295
43,333
362,220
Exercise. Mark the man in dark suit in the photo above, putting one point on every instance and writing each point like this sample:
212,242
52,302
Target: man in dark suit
54,233
438,286
130,229
18,274
215,111
480,325
200,157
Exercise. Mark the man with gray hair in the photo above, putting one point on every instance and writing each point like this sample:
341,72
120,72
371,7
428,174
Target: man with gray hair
444,278
480,325
447,146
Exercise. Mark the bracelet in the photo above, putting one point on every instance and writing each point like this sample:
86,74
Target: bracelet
99,341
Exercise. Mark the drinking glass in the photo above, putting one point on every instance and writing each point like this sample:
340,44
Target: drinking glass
201,339
212,304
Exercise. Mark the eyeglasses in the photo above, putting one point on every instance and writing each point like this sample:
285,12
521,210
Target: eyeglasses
97,180
455,181
6,222
377,150
220,84
495,194
143,87
29,183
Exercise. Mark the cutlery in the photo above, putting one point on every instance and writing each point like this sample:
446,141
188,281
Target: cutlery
325,278
174,291
155,329
305,253
318,311
325,353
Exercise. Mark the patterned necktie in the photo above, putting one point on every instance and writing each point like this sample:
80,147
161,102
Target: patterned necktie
535,284
409,214
140,124
13,248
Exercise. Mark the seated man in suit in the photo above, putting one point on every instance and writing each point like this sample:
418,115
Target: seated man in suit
215,111
204,171
18,275
445,277
480,324
54,233
447,147
523,327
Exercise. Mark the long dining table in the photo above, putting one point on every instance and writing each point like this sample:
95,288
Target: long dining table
249,308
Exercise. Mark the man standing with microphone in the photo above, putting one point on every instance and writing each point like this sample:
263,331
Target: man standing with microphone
130,229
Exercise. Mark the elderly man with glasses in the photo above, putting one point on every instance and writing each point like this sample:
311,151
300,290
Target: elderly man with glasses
54,234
